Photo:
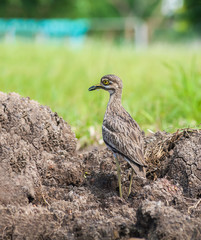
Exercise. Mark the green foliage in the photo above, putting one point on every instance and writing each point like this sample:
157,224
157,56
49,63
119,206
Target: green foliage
192,12
142,9
161,85
36,8
56,9
77,8
184,85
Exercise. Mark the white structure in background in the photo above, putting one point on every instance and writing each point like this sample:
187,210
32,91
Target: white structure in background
141,35
169,6
141,28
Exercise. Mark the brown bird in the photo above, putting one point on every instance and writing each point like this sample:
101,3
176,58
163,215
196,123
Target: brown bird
121,133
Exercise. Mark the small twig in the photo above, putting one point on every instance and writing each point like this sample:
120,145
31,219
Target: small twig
45,200
194,206
43,197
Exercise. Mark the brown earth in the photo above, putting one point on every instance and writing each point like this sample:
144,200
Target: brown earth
50,191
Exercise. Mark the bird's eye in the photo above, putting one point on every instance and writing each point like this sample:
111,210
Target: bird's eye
105,82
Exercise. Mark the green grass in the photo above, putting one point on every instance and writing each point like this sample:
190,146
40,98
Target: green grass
162,85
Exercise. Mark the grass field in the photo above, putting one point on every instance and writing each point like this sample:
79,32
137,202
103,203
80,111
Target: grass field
162,85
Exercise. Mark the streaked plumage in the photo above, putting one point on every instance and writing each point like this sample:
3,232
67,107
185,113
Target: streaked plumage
120,132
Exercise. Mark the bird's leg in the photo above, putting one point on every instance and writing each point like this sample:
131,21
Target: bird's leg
131,180
119,175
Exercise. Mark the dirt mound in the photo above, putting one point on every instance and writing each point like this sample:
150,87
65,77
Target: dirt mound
178,157
32,140
49,191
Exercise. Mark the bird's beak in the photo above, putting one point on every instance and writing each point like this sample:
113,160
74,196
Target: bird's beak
98,86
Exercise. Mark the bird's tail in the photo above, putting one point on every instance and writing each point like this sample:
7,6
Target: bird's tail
139,170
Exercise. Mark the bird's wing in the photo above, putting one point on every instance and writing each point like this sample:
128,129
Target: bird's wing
123,135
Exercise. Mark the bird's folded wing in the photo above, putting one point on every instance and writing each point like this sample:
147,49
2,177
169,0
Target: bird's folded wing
126,141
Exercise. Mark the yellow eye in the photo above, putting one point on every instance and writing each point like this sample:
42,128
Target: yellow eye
105,82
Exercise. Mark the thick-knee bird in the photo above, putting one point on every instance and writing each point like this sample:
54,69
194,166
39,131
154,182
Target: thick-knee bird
121,133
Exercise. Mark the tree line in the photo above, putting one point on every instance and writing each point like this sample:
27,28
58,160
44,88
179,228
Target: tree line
143,9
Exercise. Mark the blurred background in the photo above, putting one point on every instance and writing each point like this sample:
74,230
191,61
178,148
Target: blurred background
53,51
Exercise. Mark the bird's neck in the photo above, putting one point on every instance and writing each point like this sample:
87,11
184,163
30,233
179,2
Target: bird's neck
114,101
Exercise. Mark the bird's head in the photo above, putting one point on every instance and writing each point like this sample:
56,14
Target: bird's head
110,83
